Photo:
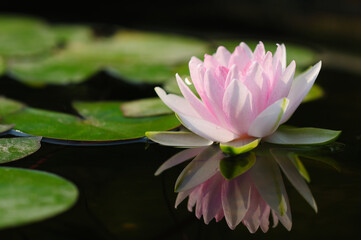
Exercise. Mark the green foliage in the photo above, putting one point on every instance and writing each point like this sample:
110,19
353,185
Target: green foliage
21,36
145,108
12,149
29,195
103,121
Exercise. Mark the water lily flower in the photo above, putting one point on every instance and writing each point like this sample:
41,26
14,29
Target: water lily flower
249,196
243,97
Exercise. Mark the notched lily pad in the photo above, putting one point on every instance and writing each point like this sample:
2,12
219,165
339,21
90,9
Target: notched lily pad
21,36
28,196
5,127
12,149
103,121
145,108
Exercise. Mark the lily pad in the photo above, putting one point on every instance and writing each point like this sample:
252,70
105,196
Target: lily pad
12,149
103,121
63,68
8,106
232,167
145,108
136,57
5,128
2,66
24,36
28,196
72,33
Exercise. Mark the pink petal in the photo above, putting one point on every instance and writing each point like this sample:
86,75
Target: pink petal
268,121
299,89
193,100
196,71
240,58
237,105
259,52
252,218
222,55
283,85
181,196
178,104
206,129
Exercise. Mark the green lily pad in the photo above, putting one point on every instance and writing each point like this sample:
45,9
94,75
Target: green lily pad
103,121
136,57
24,36
5,127
232,167
145,108
72,33
63,68
12,149
303,56
8,106
2,66
28,196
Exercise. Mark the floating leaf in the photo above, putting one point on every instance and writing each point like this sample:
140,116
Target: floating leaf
2,66
5,127
145,107
8,106
24,36
133,56
12,149
72,33
63,68
232,167
28,196
103,121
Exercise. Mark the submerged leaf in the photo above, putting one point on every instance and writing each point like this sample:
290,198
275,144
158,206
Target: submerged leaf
232,167
12,149
24,36
145,108
28,196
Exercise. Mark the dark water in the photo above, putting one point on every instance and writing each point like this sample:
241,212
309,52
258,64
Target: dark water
120,198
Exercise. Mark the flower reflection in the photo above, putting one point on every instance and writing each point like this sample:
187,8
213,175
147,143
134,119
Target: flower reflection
252,193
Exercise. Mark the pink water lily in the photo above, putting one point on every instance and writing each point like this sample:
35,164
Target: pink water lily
244,97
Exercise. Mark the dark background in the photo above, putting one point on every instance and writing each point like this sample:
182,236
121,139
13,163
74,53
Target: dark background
327,22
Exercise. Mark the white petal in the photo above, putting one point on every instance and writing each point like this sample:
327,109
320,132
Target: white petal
181,196
299,89
179,158
222,55
206,129
203,167
178,139
268,121
178,104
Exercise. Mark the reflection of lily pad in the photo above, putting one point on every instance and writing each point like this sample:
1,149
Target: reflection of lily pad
24,36
15,148
232,167
103,121
28,196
